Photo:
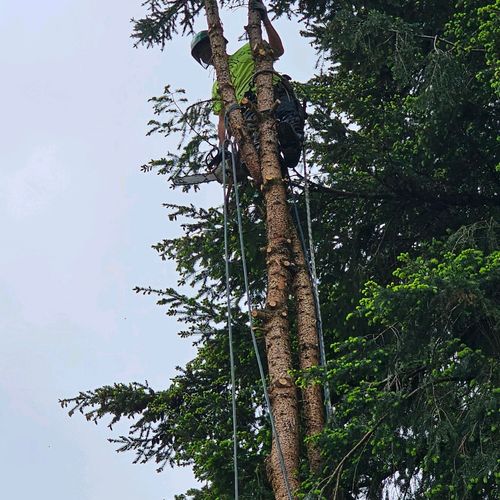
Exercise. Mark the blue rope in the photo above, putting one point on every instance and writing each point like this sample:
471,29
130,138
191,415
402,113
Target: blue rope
230,330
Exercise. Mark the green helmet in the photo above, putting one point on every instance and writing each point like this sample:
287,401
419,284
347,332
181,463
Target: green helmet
199,39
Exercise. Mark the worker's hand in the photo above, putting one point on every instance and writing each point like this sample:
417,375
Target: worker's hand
259,6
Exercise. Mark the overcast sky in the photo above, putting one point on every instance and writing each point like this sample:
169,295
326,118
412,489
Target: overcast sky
77,222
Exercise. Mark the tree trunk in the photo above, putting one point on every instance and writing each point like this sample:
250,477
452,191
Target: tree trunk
283,393
276,204
308,349
283,247
226,89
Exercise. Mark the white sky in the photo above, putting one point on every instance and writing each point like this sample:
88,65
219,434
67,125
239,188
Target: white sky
77,221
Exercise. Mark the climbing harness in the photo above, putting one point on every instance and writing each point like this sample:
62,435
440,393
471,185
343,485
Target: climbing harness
290,117
289,114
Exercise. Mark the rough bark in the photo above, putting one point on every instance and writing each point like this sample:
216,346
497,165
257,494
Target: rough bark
308,349
283,248
226,89
304,298
283,393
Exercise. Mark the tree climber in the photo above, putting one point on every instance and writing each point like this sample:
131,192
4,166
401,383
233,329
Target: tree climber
289,114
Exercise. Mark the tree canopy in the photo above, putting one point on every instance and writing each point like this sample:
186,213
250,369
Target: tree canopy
403,145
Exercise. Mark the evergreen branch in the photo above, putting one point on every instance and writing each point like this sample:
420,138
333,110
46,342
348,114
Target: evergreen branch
346,457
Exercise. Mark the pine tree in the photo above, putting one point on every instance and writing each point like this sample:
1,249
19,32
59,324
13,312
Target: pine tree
402,135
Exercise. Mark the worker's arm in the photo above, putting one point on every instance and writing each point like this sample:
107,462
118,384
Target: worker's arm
274,39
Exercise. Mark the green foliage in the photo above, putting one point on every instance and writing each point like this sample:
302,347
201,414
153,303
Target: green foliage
192,126
164,20
402,140
417,400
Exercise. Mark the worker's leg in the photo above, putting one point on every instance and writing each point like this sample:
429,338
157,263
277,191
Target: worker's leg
290,126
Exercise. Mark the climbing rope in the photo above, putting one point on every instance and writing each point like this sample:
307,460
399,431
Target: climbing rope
230,330
249,300
309,255
314,280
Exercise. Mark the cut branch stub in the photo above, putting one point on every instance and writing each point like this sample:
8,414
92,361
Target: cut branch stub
260,314
283,382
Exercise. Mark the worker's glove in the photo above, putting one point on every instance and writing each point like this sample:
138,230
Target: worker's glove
260,7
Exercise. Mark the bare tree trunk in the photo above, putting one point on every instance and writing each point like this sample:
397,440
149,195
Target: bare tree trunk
283,392
275,197
308,349
283,246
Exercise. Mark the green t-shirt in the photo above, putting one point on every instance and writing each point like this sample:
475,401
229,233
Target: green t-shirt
241,69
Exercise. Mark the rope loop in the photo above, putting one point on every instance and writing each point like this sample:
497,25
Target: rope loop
264,72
